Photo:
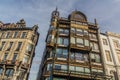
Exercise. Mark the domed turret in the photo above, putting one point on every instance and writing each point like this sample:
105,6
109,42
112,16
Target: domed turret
55,13
77,15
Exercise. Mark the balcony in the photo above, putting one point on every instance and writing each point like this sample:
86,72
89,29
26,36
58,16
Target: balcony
25,65
79,47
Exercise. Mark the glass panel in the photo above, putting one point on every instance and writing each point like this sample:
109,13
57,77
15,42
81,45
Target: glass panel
64,67
79,41
73,30
15,34
8,35
10,45
87,70
80,69
9,72
57,66
14,57
2,45
72,56
72,68
1,70
23,35
65,53
85,32
19,46
86,43
79,32
49,67
65,41
72,40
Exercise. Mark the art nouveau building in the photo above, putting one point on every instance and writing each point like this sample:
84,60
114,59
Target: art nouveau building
72,49
110,47
17,49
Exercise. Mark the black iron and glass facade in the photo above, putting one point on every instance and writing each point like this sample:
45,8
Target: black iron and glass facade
72,49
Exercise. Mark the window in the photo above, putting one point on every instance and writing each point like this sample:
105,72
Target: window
9,72
92,36
79,41
21,75
86,42
78,69
15,34
98,71
60,67
85,32
108,56
73,40
78,56
23,35
49,67
63,31
10,45
29,48
118,54
94,46
14,57
61,53
2,34
63,41
95,58
25,59
8,35
2,45
19,46
116,43
72,30
79,32
5,56
1,70
105,42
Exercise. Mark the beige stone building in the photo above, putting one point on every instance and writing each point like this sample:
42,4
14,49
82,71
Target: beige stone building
17,49
110,47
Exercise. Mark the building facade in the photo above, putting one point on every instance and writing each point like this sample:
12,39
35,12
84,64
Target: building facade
72,49
17,49
110,47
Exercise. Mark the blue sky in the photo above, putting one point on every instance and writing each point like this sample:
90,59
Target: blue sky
107,13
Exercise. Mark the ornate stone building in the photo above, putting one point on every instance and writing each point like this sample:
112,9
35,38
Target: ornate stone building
110,47
72,49
17,49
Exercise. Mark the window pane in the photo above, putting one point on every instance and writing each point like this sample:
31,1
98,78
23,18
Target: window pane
64,67
73,30
65,41
15,34
8,35
23,35
108,56
10,45
72,68
19,46
79,41
79,32
72,40
86,43
49,67
14,57
80,69
72,56
2,45
57,66
87,70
